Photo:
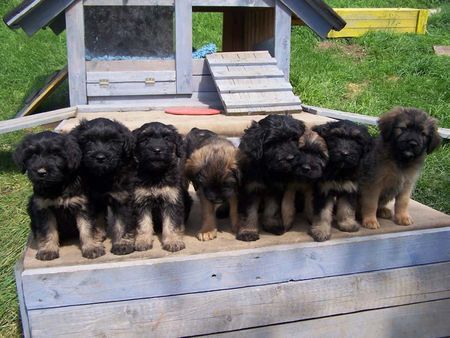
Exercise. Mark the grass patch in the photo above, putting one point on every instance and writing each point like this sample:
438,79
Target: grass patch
368,75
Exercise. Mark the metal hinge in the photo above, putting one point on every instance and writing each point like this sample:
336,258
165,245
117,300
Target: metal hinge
103,82
149,81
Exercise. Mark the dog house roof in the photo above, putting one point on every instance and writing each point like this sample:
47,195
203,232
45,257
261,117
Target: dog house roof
32,15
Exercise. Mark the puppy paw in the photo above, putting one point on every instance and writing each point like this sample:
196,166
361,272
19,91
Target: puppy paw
370,223
349,225
143,243
403,219
384,212
207,235
274,226
93,251
122,248
247,235
174,245
320,234
47,255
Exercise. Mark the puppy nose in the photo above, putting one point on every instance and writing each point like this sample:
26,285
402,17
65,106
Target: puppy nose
157,150
100,157
306,168
42,172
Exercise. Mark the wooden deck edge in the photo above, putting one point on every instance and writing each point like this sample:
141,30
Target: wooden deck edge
412,320
234,309
47,287
360,118
18,270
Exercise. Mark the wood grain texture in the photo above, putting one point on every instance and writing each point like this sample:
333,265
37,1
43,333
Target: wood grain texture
76,53
240,308
131,89
208,3
18,269
74,285
7,126
428,319
183,49
283,37
130,76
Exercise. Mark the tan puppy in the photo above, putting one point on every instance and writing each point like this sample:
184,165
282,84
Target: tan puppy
212,168
391,169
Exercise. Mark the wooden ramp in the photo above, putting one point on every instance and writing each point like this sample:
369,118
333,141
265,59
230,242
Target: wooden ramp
252,83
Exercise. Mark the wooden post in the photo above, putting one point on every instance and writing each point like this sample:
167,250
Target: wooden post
183,58
282,37
76,53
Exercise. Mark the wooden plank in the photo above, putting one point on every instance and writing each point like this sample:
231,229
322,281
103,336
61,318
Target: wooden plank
242,72
251,55
37,119
76,53
265,110
382,23
242,62
371,120
252,85
183,49
376,13
428,319
130,76
220,311
207,3
18,269
131,89
422,20
71,285
269,99
283,37
24,11
199,66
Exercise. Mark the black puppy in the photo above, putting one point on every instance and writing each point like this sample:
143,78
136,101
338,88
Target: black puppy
160,194
108,168
347,142
59,204
266,155
309,165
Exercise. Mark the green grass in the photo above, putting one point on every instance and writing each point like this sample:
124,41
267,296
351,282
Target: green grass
367,75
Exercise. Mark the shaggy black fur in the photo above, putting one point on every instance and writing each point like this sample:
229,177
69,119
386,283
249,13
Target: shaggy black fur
58,204
160,195
108,168
347,142
267,151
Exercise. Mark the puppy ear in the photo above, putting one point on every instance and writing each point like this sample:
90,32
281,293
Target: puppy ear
75,132
253,140
237,174
387,121
434,139
72,152
322,129
180,149
18,156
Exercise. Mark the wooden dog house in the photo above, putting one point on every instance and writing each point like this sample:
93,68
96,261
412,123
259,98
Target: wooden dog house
140,51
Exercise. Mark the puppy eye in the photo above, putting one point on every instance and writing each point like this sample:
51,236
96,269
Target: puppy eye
423,133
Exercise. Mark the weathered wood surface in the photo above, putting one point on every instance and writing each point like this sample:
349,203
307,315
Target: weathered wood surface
227,263
360,118
183,49
363,20
428,319
199,66
18,269
207,3
283,37
130,76
240,86
137,116
203,313
76,53
37,119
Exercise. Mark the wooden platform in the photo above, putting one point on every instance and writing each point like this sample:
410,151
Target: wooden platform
276,286
221,124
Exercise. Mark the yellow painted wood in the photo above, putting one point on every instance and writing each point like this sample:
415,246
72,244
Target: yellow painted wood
362,20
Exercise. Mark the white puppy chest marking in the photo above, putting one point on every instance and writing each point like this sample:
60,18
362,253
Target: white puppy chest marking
168,194
65,202
346,186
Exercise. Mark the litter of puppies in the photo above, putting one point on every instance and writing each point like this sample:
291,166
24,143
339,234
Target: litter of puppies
103,180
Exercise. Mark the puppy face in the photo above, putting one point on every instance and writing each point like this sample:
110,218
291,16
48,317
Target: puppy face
410,132
213,170
312,156
346,142
106,145
47,157
158,146
273,141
